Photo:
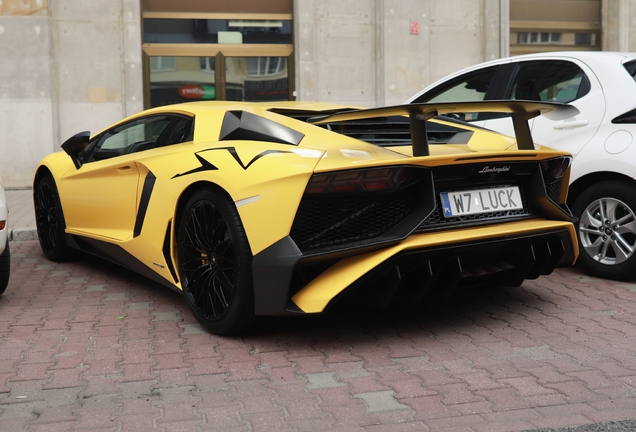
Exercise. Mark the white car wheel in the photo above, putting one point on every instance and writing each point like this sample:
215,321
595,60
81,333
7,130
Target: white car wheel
607,230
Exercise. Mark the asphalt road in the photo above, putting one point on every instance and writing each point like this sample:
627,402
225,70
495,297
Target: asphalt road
87,345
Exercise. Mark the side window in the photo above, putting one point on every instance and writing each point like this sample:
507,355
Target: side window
141,134
180,130
548,81
630,67
469,87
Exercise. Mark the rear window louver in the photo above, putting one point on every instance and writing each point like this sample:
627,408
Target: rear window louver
245,126
387,131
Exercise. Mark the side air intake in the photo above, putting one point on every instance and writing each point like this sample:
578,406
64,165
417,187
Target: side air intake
245,126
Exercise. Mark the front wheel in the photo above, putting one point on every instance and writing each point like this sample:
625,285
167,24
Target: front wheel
215,263
5,268
607,230
49,220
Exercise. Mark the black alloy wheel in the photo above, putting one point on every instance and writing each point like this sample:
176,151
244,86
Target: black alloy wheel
49,220
215,263
606,230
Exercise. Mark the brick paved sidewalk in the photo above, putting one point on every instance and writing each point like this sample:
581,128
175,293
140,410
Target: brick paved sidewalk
89,346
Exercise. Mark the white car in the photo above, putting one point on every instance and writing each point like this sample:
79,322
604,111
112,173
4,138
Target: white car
5,254
602,85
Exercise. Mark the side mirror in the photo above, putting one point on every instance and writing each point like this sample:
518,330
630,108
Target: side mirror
74,146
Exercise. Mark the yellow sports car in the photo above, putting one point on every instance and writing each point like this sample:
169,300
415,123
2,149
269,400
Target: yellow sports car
292,208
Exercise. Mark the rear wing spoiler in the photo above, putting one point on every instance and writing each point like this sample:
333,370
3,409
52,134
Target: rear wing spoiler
521,111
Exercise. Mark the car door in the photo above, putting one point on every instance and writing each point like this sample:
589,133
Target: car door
555,80
101,197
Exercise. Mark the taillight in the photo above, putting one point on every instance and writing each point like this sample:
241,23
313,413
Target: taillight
555,168
366,180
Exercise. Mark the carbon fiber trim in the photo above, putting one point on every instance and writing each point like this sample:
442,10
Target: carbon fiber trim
149,184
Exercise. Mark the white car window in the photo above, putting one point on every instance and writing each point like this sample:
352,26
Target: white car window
469,87
630,67
551,81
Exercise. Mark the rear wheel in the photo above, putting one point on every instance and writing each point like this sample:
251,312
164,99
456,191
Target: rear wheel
5,268
49,220
607,230
215,263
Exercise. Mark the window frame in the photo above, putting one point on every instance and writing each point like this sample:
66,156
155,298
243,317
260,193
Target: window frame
219,51
498,80
584,87
96,143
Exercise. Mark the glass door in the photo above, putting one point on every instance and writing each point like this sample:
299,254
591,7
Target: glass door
190,57
257,79
175,79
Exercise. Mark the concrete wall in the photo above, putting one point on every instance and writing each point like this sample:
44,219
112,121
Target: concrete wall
26,108
73,65
97,60
619,25
335,50
363,52
67,66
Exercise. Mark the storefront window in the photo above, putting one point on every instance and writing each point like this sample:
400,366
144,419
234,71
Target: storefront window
181,79
257,78
217,31
238,50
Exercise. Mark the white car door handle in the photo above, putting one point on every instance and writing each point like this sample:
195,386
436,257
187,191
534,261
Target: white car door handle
571,124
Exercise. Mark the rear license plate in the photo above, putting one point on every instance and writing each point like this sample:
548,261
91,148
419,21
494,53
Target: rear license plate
476,201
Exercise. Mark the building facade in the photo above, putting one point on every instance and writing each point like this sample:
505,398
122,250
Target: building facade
73,65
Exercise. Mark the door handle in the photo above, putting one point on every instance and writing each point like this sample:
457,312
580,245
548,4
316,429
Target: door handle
124,170
571,124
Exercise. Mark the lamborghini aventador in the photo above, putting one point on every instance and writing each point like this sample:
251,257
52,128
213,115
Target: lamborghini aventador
294,208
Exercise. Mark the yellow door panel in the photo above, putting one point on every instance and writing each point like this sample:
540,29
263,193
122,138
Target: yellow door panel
100,198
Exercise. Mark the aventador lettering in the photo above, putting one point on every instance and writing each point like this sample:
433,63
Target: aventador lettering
496,170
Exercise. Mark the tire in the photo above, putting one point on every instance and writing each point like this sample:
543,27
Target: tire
5,268
215,263
49,220
606,230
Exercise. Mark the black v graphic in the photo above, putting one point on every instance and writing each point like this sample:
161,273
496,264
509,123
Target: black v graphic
207,166
236,157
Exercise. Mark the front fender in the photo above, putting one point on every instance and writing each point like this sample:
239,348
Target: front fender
58,164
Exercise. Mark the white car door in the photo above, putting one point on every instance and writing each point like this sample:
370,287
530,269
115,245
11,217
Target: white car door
557,80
